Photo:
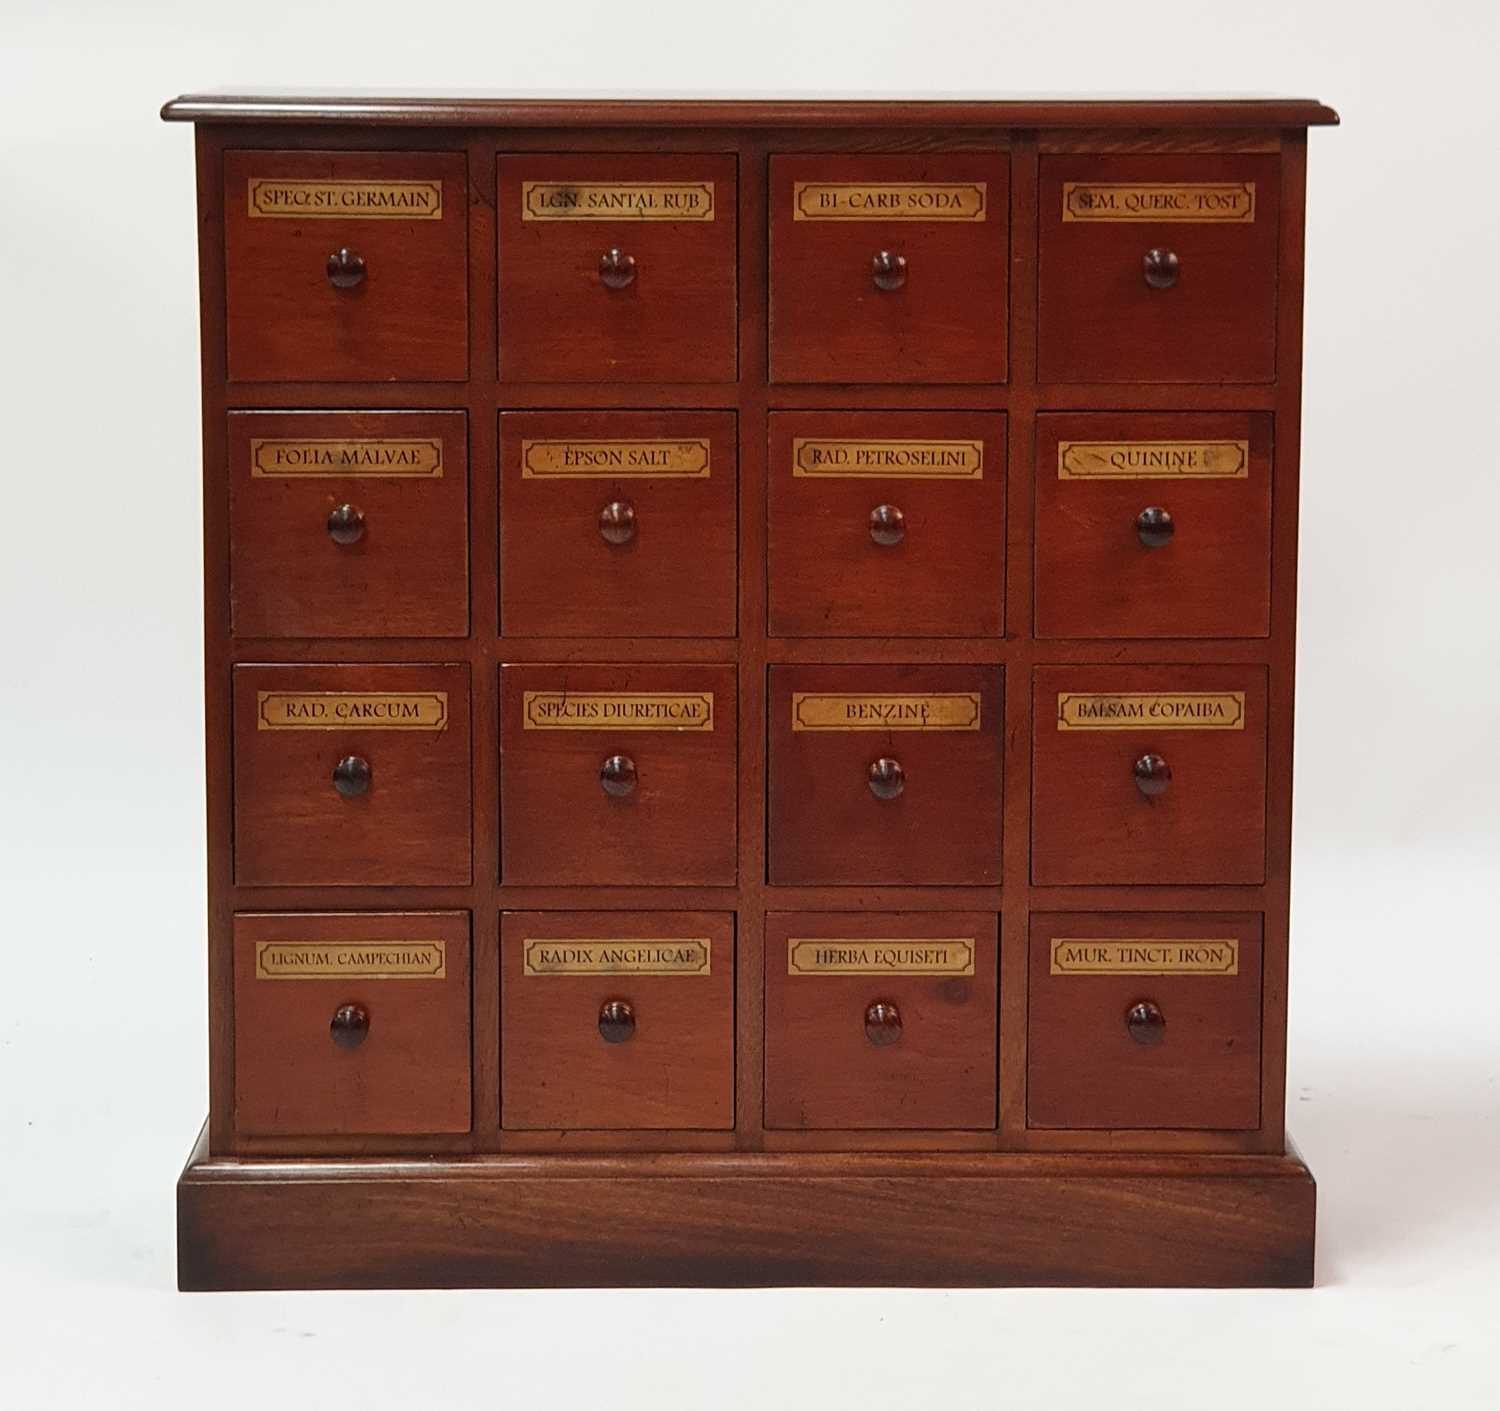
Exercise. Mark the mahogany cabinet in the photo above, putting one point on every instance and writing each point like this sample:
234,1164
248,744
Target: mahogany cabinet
748,680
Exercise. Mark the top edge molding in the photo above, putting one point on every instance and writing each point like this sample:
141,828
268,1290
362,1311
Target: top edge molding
466,110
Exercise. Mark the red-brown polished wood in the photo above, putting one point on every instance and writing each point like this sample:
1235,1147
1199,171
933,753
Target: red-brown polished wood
904,554
829,825
1194,1059
1102,321
672,1064
1212,1204
926,1061
618,551
405,317
903,1221
1096,815
1203,570
675,823
669,316
876,299
409,1073
349,524
293,824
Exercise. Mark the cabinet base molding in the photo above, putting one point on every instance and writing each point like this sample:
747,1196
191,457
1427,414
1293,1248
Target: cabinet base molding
745,1220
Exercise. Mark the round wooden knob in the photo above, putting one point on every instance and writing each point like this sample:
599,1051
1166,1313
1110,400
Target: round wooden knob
1160,268
887,778
346,524
345,269
617,775
351,776
1152,775
1145,1023
617,522
616,269
1154,527
616,1021
887,525
882,1023
888,270
350,1025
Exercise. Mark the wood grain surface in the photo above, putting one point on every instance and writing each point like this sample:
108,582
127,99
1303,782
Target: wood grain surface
1177,1180
1094,576
407,575
675,322
408,319
411,1072
828,577
676,1070
676,576
829,322
1101,321
822,1070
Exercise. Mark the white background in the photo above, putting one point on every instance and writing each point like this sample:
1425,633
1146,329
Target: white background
1394,1049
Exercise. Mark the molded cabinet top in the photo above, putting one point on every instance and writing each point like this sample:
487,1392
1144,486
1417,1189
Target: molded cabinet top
794,110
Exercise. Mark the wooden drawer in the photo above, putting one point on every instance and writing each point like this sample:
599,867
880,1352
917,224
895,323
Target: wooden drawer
348,524
618,524
399,307
1149,775
1153,525
880,1020
885,775
618,775
617,1020
887,524
661,309
348,1024
889,268
1204,311
1144,1021
351,775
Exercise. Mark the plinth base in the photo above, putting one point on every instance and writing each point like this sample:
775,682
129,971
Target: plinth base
745,1220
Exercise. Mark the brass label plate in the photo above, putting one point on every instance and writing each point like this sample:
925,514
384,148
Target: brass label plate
1179,710
570,459
311,458
626,710
672,955
923,955
1171,202
276,199
337,960
816,457
344,710
617,200
828,710
1073,956
890,200
1153,460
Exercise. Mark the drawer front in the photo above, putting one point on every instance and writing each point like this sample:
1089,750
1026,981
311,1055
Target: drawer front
350,1024
1153,525
618,524
889,268
395,307
885,775
618,267
1158,269
880,1020
1140,1021
1149,775
617,1020
887,524
348,524
618,775
351,775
